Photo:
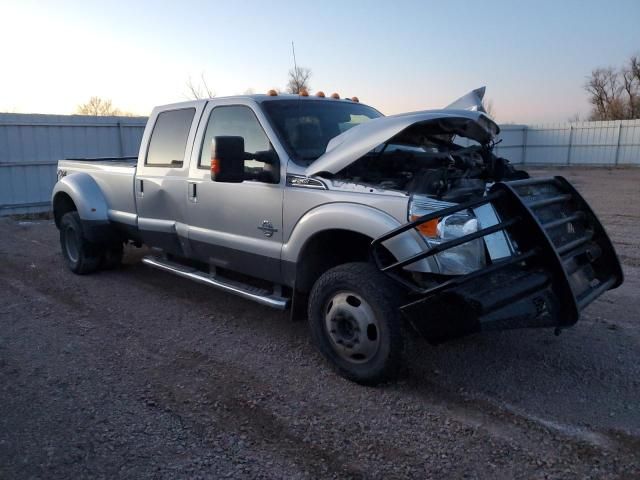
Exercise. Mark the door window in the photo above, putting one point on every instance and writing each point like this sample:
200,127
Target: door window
238,120
169,138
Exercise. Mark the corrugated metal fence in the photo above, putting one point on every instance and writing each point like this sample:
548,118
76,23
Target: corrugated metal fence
584,143
31,145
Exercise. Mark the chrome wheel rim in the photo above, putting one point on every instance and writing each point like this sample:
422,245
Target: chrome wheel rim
71,245
352,327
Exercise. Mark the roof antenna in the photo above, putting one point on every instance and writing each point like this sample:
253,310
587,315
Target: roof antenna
295,65
295,73
293,50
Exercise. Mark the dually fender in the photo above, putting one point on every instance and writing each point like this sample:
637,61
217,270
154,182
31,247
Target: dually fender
86,195
357,218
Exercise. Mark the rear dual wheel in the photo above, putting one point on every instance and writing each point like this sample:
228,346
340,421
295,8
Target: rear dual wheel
81,255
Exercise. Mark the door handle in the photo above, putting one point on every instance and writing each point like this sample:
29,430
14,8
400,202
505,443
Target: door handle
193,191
140,188
267,228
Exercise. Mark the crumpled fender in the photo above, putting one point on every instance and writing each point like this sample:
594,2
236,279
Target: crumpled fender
357,218
86,195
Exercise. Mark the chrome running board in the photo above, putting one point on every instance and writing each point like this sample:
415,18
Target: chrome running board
249,292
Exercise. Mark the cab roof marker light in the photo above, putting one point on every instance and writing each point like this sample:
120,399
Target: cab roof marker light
320,94
272,93
335,96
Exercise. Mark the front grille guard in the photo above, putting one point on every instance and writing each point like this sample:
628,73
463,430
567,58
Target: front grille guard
552,229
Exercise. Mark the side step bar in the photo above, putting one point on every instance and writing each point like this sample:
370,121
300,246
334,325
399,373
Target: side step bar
242,290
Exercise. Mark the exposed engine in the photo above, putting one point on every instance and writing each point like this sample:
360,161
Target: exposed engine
441,170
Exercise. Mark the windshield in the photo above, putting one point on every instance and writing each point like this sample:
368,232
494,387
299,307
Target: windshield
306,126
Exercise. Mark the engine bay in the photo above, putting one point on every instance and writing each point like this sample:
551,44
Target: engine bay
430,163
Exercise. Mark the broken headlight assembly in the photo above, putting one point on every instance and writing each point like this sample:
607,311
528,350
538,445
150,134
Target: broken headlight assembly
458,260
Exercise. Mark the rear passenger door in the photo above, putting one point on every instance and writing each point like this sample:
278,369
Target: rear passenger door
237,226
161,177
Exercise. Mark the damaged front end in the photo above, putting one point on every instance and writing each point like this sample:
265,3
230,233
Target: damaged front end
561,260
501,250
424,161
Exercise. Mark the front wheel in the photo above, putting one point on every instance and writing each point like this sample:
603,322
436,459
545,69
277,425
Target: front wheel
355,322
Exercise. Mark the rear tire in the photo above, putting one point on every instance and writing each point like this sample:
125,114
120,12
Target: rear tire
355,322
81,256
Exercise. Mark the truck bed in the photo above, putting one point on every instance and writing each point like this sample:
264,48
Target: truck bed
115,177
100,161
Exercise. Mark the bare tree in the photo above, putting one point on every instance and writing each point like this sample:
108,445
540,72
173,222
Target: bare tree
605,94
299,80
615,94
634,65
631,84
201,90
630,87
99,107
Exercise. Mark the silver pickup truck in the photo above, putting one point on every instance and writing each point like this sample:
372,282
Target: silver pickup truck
372,226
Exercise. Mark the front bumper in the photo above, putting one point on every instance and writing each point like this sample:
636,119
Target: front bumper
563,261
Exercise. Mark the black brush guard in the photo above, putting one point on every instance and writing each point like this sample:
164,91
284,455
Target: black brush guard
562,261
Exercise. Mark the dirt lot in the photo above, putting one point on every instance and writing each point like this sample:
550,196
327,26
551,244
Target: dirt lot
137,374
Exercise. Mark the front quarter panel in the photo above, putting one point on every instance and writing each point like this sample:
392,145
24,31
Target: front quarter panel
355,217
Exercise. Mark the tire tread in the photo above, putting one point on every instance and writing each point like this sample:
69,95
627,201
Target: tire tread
89,254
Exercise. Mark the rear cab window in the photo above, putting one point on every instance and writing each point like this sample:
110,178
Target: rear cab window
168,142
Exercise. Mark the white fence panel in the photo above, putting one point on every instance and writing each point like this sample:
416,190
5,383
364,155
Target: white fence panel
583,143
31,145
512,144
547,144
629,151
595,144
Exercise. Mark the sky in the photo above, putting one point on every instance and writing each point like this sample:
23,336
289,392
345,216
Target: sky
398,56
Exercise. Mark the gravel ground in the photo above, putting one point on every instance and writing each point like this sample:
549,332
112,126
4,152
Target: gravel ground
134,373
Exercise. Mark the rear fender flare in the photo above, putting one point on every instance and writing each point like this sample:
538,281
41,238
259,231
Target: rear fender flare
86,195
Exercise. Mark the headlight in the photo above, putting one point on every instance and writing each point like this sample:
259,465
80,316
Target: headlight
457,225
458,260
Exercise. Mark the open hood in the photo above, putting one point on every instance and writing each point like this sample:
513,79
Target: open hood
349,146
472,101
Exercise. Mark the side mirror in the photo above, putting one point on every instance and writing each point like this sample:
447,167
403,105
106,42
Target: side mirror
227,159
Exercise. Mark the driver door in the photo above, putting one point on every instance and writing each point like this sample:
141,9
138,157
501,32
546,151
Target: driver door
236,226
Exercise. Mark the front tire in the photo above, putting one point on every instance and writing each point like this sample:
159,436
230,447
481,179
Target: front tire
81,256
355,322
